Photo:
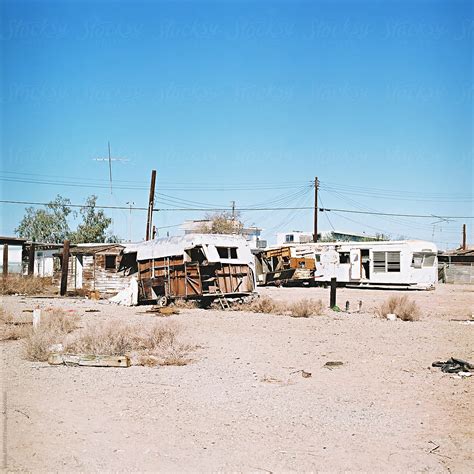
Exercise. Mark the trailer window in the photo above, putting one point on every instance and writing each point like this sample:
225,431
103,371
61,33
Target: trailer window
289,238
386,262
379,262
110,262
429,260
344,257
227,252
393,261
417,260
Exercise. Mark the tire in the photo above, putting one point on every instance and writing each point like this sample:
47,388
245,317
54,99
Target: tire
163,301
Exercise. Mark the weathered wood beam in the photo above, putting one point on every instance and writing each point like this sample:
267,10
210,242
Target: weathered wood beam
64,268
31,259
89,360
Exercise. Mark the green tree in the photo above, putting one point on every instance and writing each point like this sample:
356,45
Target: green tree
46,225
94,225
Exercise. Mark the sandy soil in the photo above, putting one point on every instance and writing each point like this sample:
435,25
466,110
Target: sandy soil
243,405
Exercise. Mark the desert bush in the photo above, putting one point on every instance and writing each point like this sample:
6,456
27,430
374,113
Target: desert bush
267,305
405,308
306,308
152,345
54,326
185,304
28,285
12,329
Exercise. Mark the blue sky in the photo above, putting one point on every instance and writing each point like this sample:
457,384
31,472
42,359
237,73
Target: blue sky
226,98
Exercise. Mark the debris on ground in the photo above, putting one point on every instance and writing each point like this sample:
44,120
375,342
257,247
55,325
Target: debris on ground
454,366
304,374
392,317
92,311
331,364
89,360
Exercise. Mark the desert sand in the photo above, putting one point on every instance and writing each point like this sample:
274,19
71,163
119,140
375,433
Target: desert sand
242,403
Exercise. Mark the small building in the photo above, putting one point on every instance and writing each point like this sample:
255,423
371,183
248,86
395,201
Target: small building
300,237
96,267
456,266
11,249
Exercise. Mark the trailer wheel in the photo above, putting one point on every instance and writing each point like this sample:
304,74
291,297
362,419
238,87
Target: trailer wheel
163,301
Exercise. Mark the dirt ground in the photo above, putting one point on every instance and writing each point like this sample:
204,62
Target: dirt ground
242,403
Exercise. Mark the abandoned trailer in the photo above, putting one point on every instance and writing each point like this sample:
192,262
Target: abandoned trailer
410,264
195,266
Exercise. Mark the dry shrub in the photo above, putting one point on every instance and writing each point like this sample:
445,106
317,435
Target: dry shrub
300,309
267,305
26,285
54,326
12,329
185,304
306,308
402,306
152,345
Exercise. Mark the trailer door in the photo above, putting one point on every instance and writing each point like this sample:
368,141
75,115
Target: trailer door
355,264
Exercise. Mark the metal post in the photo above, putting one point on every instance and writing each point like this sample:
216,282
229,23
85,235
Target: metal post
31,259
315,230
151,202
332,299
64,268
5,260
464,240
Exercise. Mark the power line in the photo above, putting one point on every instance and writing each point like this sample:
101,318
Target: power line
220,209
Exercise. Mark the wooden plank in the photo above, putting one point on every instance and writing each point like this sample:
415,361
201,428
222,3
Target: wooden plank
31,260
64,268
89,360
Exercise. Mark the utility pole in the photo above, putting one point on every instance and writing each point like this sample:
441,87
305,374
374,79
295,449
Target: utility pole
151,203
233,210
110,169
130,203
315,229
464,240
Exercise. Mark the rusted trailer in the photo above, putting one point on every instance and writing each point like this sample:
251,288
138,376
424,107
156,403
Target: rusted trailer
195,266
287,265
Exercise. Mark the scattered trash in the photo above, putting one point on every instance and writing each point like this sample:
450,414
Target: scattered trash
336,309
392,317
92,311
304,374
128,296
454,366
331,364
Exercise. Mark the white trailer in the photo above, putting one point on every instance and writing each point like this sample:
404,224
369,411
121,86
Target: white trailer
403,264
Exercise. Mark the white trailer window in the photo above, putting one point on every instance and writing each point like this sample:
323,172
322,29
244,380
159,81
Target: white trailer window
379,262
417,260
386,262
393,261
227,252
429,260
